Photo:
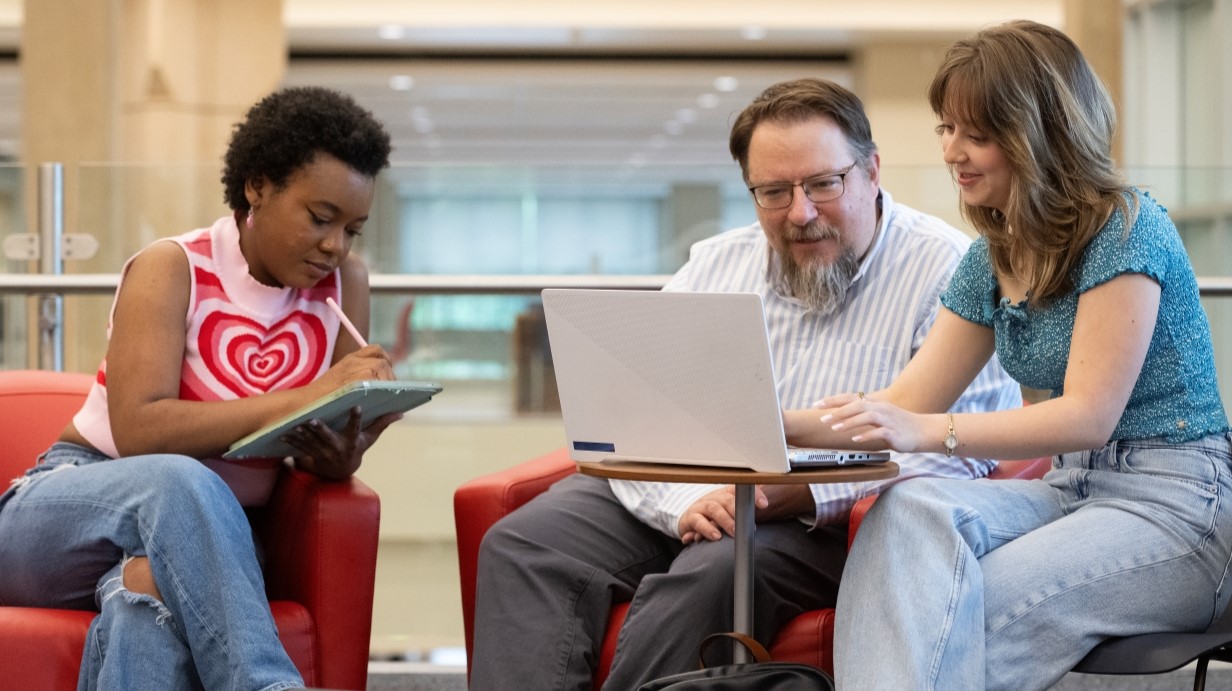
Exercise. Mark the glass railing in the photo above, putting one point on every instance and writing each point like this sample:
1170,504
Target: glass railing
458,257
458,253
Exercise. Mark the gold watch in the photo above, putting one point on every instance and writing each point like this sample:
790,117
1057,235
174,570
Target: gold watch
951,440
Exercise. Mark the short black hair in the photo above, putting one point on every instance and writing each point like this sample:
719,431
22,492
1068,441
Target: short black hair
285,130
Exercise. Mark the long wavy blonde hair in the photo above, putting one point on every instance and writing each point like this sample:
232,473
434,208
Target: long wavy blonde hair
1028,88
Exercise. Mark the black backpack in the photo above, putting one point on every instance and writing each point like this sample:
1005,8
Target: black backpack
761,675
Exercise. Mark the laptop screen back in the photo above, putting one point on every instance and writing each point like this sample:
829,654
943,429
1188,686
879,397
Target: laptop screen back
667,377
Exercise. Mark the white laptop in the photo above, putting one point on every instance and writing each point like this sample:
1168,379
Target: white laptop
672,377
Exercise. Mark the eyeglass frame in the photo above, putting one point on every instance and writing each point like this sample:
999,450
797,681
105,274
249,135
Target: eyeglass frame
842,179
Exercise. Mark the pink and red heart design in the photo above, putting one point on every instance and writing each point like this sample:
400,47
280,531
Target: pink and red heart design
248,358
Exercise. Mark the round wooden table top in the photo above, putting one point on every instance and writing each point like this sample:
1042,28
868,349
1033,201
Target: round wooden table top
662,472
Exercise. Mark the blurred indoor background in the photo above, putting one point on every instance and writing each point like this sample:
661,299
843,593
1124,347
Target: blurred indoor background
535,142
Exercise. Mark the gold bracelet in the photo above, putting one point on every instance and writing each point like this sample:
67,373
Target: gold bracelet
951,440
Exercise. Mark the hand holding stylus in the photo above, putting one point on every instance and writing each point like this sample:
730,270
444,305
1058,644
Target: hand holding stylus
346,323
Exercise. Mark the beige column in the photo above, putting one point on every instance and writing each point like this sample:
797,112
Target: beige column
1098,27
892,78
136,98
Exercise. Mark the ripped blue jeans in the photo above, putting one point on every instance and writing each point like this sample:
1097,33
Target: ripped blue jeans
70,523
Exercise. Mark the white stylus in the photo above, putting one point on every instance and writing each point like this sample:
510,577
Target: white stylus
346,323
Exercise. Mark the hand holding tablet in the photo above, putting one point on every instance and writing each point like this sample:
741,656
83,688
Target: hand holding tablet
375,398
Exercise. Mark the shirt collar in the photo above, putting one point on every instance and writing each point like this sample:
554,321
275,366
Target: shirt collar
884,204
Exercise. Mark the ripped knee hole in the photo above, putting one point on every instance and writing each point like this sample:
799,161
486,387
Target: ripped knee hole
139,578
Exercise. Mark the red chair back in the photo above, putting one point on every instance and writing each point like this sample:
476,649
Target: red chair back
37,405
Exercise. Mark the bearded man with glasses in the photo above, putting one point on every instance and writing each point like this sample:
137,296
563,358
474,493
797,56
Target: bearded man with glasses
850,281
822,282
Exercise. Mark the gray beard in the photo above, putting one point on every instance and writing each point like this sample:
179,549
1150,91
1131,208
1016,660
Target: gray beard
821,287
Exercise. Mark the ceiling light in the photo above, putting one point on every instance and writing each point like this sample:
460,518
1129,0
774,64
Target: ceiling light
401,82
421,120
708,101
726,84
391,32
753,33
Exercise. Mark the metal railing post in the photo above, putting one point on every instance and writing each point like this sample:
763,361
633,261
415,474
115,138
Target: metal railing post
51,262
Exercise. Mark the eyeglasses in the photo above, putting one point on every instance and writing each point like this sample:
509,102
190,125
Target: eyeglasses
823,188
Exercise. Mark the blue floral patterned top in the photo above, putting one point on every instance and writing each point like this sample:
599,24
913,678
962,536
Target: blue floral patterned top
1176,396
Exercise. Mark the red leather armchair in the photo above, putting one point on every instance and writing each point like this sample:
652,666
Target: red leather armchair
483,501
320,540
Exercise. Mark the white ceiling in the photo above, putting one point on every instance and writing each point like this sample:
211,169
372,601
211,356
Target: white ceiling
599,90
575,120
574,91
593,17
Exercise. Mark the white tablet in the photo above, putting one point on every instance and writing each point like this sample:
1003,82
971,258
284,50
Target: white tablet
375,398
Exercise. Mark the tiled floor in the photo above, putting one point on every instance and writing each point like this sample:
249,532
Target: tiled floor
411,676
400,676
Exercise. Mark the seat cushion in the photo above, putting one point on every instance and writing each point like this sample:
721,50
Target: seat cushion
296,631
809,638
40,649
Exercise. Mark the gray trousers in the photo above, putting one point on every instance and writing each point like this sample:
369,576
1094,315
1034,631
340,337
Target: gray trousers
550,572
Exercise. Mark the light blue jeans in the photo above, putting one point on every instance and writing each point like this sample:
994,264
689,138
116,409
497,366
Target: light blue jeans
1007,584
70,522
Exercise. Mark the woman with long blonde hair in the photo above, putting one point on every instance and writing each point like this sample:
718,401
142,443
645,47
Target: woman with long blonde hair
1080,285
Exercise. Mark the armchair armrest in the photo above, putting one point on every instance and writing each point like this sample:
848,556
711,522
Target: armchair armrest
481,502
320,539
857,515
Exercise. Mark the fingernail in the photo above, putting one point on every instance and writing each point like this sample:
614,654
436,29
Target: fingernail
858,437
826,417
836,426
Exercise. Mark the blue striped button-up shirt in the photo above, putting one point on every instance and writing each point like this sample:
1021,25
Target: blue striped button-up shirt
889,309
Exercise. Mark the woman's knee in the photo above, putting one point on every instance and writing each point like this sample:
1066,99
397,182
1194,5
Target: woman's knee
179,477
918,502
908,497
139,578
172,466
